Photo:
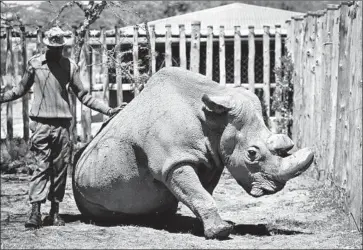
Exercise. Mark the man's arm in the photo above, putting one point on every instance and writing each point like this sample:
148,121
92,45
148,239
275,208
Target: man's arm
21,89
86,98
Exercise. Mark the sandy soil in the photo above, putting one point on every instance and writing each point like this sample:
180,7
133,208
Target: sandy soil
303,215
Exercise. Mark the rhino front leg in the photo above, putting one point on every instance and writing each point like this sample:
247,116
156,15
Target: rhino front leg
184,183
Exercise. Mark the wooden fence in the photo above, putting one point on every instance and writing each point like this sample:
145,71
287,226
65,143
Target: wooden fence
326,48
93,62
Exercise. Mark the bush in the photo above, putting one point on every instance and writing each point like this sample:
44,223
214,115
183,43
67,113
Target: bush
17,160
282,99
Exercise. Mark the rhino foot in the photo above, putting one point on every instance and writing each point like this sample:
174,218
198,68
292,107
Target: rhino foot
220,231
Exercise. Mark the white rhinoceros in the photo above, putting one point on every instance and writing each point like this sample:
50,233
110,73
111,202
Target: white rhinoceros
172,142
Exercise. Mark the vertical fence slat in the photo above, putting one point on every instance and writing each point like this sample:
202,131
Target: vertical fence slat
119,91
195,47
277,46
251,58
355,119
168,53
343,102
222,57
266,68
299,56
209,58
39,46
153,52
135,54
86,71
237,55
72,96
326,89
9,71
277,58
104,67
288,35
182,47
319,67
25,98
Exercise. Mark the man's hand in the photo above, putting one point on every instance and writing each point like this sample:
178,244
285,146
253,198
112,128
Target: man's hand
114,111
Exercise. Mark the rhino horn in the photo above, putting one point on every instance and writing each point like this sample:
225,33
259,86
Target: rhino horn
295,164
279,143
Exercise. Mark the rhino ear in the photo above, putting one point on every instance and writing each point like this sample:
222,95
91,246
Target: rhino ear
218,104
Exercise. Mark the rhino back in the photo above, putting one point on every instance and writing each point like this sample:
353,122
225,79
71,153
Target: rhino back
165,117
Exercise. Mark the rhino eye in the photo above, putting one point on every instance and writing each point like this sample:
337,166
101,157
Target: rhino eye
252,153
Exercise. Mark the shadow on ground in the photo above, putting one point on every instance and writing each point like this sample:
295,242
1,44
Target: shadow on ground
181,224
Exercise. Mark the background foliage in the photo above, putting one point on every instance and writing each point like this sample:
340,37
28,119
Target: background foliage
33,15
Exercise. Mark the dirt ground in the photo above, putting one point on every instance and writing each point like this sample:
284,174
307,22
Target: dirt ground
304,214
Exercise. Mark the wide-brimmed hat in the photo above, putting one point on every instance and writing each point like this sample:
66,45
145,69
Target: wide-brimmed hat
54,37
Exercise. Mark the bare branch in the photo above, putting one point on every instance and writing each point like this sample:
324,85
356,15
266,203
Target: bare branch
69,4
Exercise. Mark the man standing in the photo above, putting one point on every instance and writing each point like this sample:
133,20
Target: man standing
52,75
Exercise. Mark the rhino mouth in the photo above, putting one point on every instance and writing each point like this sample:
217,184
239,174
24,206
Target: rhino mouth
264,184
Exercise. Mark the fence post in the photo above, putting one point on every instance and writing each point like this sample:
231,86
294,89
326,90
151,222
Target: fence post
297,33
25,98
195,47
104,67
251,58
222,57
319,67
168,51
209,57
343,100
119,91
135,50
9,70
39,40
86,72
354,179
266,68
288,36
237,56
153,52
182,47
73,127
277,59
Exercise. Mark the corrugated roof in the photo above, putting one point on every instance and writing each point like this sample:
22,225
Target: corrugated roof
227,15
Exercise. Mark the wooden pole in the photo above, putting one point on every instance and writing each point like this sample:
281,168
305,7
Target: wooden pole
9,70
168,51
195,47
182,47
209,58
222,57
104,67
354,144
277,58
136,59
153,52
25,98
87,73
251,58
73,127
39,40
119,91
237,55
266,68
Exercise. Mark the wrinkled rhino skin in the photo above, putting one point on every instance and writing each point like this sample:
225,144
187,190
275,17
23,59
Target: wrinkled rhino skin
171,143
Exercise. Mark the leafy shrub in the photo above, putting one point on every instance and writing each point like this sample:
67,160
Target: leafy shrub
282,99
17,160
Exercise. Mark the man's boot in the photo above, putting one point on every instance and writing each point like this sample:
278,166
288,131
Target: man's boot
35,219
56,220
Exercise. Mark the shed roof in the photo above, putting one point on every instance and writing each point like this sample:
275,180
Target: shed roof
235,14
